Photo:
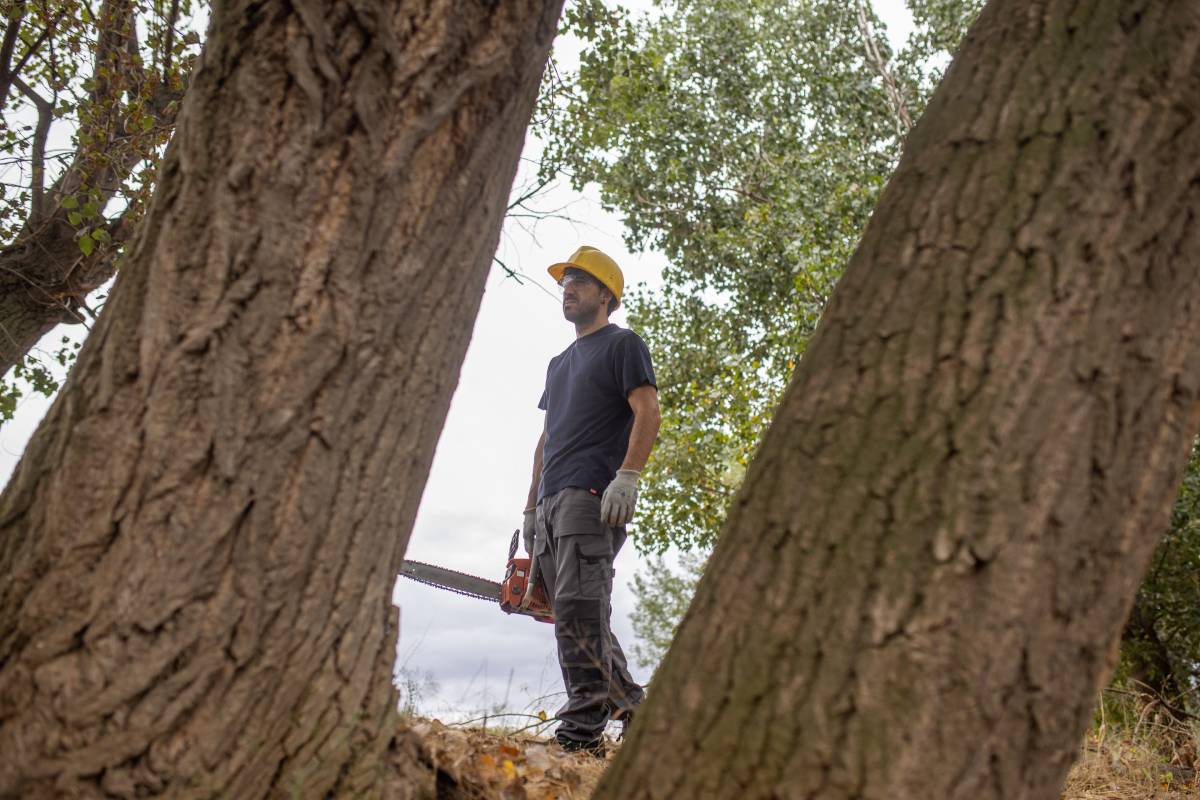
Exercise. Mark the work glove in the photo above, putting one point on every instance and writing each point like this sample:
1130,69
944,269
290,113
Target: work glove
616,507
528,527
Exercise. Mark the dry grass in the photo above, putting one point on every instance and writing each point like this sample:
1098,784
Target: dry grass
1136,752
1123,769
1143,754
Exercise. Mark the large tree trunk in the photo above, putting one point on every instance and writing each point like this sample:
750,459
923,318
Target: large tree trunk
199,545
921,585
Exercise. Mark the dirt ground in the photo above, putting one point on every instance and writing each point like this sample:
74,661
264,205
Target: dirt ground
475,764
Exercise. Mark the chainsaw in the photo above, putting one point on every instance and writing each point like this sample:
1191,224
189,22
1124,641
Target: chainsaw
521,592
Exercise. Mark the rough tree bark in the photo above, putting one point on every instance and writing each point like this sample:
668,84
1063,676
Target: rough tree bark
921,585
199,545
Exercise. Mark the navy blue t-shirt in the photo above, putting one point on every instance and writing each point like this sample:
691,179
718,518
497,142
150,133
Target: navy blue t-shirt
588,418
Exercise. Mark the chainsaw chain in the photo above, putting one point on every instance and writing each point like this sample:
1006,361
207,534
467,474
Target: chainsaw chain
463,592
512,551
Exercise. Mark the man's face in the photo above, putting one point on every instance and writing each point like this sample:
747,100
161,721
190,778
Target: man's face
582,296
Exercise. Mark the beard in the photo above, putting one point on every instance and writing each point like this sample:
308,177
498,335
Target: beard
580,311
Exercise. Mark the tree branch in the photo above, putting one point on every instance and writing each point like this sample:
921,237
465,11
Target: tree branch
37,181
875,58
13,27
169,43
520,201
7,74
84,5
45,253
749,195
512,273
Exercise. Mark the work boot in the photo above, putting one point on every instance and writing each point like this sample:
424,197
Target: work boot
594,747
623,716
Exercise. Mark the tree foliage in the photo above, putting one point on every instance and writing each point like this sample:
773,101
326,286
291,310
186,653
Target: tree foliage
1160,647
88,96
663,594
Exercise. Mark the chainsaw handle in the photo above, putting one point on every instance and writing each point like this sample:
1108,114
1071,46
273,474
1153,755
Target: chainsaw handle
512,547
531,583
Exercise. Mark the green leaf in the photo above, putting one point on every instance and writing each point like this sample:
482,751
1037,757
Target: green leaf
10,393
74,217
70,202
87,244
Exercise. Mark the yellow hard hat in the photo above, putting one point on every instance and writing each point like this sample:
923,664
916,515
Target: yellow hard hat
596,264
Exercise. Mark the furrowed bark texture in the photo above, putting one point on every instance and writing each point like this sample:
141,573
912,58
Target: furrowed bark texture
199,546
921,585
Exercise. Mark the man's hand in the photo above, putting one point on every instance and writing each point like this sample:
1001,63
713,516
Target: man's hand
527,528
616,507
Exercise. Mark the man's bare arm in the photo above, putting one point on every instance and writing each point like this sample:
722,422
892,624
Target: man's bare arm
644,402
537,472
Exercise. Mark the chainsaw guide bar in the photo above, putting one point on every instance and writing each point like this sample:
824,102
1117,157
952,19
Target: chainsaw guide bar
451,580
522,592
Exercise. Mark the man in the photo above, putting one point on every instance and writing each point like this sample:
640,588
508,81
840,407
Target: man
602,417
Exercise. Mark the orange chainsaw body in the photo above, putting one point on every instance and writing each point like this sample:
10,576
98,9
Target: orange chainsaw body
516,584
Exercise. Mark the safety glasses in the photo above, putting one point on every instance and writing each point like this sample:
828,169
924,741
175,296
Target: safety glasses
576,278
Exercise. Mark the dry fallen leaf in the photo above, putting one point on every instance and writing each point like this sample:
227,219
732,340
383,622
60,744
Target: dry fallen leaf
494,766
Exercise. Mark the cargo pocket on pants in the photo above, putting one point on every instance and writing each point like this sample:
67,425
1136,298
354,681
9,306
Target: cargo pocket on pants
595,566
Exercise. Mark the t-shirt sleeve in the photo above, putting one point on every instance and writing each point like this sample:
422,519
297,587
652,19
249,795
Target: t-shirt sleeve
543,404
633,364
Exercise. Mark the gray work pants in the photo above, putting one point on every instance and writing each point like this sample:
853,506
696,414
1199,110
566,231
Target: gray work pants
575,553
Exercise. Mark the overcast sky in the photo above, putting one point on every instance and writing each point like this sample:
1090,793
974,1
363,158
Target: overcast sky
480,658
